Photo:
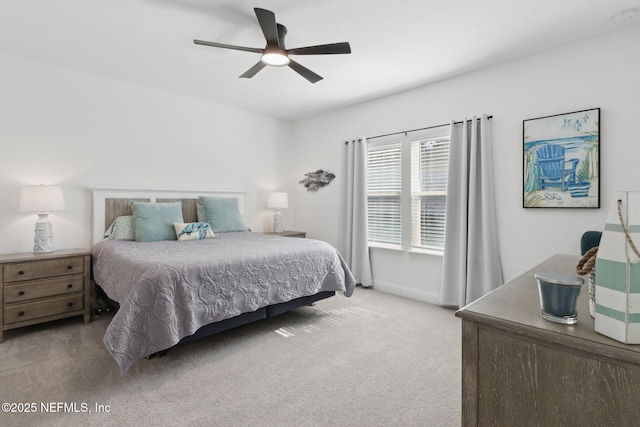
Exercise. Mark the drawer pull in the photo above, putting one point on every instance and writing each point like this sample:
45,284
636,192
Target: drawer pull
21,313
20,272
70,304
21,293
69,267
70,285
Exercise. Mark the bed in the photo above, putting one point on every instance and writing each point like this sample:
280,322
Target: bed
170,291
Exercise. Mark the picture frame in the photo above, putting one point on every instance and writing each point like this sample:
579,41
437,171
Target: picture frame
561,160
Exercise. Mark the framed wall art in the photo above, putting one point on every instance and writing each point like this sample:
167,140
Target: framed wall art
562,160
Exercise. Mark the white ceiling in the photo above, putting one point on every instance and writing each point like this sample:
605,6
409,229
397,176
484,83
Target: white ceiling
396,45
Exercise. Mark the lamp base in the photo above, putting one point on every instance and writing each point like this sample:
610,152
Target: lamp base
43,240
277,222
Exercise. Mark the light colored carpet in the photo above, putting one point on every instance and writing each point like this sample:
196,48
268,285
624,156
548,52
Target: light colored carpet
370,360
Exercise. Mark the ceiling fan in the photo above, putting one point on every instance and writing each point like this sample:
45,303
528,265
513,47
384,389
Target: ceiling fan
275,53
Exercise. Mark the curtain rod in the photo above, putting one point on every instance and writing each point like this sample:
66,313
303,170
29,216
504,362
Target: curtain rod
415,130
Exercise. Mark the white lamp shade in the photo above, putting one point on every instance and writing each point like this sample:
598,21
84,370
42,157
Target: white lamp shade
41,198
278,201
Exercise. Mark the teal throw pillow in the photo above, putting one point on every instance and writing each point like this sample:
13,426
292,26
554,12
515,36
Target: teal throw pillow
154,221
223,213
202,217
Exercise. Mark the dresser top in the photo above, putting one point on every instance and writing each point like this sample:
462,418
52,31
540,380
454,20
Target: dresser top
32,256
515,307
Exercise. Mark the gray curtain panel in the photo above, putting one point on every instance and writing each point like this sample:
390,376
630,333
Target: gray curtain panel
471,255
356,236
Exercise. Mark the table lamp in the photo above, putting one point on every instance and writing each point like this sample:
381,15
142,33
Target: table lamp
277,201
42,199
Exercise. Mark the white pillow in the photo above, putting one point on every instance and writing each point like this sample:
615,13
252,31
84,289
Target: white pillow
193,231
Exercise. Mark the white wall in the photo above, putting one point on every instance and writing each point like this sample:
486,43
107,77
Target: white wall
79,131
601,72
76,130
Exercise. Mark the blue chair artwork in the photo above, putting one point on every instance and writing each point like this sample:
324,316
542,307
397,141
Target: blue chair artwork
552,168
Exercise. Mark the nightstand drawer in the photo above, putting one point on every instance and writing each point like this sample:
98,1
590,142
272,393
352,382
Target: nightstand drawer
49,307
43,288
20,272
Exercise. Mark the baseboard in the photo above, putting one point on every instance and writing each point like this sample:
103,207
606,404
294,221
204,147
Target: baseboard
405,291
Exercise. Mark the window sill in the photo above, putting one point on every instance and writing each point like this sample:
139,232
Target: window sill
383,246
412,250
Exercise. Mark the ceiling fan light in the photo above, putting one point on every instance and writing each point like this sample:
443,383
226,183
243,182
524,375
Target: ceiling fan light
277,59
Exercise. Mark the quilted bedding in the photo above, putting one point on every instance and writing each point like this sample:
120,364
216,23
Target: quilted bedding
167,290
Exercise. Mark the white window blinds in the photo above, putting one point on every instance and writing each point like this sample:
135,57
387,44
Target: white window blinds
429,169
384,192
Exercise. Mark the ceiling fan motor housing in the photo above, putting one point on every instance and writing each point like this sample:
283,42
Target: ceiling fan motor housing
282,32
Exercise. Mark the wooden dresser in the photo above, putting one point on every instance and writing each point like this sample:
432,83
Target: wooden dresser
37,288
519,369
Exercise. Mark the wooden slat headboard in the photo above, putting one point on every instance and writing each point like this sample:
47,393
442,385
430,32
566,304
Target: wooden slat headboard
114,208
108,204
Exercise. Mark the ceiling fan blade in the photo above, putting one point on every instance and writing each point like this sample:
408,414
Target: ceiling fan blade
229,46
304,71
267,20
323,49
253,70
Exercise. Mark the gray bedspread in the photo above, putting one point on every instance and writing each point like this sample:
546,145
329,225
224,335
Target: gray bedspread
167,290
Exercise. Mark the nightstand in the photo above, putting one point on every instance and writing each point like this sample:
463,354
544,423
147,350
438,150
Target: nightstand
289,233
37,288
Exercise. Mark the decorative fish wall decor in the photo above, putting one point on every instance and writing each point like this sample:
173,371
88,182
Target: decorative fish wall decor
317,179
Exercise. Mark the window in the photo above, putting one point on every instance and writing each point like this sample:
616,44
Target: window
429,169
407,190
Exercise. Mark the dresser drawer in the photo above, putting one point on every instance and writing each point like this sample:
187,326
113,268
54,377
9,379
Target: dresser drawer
49,307
43,288
20,272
